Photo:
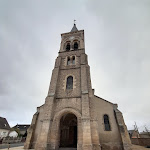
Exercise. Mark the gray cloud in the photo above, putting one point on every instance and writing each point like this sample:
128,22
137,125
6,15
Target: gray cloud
117,39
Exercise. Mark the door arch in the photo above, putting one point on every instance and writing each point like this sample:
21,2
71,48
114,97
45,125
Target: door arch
68,130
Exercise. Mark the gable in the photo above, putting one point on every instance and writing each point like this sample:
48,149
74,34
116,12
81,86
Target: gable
4,124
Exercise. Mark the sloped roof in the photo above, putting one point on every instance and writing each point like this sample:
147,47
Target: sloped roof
4,124
104,99
22,126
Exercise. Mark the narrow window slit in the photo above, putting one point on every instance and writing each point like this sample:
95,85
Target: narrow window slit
106,123
69,84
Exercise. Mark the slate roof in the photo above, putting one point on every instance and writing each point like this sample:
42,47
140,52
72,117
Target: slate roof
22,127
130,131
74,28
4,124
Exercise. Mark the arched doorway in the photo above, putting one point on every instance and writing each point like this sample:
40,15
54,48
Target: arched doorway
68,130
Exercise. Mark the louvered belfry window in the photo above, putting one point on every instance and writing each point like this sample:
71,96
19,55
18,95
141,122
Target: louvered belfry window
68,61
68,47
69,84
106,123
75,45
73,60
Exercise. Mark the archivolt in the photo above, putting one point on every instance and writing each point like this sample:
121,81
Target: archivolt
59,114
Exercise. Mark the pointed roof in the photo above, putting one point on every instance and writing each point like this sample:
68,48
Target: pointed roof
74,28
4,124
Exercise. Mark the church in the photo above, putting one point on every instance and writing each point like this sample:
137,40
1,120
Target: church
73,117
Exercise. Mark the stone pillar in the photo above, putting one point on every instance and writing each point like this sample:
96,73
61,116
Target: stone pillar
30,131
54,136
80,134
123,130
94,125
86,126
95,135
42,141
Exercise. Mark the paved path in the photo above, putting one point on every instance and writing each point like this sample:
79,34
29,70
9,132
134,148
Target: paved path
134,147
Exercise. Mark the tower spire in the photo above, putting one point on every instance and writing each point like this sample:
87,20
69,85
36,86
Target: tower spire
74,27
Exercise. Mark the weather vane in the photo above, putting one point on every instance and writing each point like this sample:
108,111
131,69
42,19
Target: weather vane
74,21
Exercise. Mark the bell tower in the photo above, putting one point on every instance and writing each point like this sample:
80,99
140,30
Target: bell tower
70,88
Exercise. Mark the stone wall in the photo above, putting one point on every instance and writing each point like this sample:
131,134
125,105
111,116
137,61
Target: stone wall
141,141
74,103
112,137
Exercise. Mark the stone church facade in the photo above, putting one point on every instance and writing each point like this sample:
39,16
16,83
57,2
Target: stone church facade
72,116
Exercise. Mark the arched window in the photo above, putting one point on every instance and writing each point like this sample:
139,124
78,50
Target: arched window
73,60
69,84
106,123
68,61
68,47
75,45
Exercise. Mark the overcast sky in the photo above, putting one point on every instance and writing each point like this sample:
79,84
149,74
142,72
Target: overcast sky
117,41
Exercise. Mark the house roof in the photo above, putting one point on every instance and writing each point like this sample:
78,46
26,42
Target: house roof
22,126
4,124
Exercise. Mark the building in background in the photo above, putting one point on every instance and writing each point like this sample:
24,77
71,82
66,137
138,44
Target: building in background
21,129
134,133
145,134
73,116
4,127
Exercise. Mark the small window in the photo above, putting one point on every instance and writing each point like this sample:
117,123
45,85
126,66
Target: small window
75,46
69,84
73,60
68,61
106,123
68,47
